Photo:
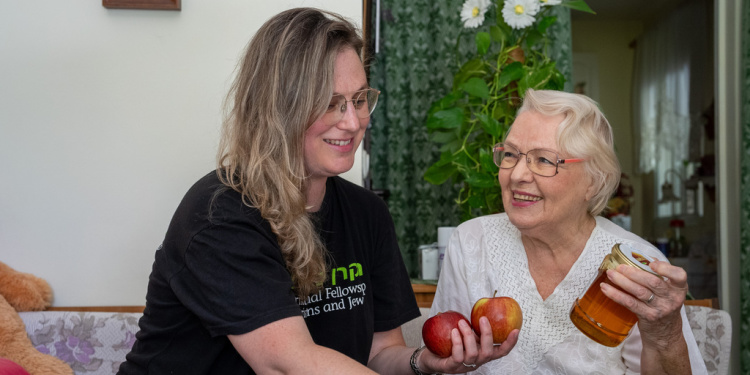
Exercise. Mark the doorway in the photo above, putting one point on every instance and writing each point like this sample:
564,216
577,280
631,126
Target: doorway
604,50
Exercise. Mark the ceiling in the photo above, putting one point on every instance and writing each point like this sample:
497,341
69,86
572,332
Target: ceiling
641,10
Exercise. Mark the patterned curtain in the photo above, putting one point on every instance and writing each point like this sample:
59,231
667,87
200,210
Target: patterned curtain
745,192
414,67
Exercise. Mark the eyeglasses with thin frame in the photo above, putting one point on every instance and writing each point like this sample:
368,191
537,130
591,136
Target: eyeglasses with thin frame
363,101
540,162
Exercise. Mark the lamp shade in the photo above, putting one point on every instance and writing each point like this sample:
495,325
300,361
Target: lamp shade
667,194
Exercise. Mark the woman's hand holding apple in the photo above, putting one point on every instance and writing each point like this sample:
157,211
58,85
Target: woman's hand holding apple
462,349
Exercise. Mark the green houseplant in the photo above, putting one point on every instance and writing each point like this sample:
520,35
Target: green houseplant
510,56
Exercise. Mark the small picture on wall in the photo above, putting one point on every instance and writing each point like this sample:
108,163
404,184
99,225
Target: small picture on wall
142,4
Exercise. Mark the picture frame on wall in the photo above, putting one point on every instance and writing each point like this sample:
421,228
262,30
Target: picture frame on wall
143,4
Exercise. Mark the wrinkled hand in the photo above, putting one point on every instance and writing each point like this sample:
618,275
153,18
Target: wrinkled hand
469,350
655,300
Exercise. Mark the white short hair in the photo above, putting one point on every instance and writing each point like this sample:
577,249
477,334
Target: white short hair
584,133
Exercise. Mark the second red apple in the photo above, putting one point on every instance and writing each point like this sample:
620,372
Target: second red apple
504,314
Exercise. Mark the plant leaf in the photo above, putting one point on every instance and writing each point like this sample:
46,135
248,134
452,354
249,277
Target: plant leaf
452,146
446,119
479,179
545,23
494,203
476,200
476,87
440,172
462,162
490,125
533,38
538,78
445,102
485,158
499,34
442,136
472,68
557,82
502,110
482,39
512,72
578,5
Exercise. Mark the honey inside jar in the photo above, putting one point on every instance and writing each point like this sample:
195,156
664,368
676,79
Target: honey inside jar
600,318
596,315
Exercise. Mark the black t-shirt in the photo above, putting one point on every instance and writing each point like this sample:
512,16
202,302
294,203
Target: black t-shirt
220,271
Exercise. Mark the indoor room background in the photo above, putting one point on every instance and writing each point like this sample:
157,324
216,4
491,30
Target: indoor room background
107,117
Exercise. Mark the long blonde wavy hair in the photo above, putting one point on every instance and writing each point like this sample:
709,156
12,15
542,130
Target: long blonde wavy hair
283,84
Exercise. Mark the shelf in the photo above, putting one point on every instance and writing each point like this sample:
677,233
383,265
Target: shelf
424,293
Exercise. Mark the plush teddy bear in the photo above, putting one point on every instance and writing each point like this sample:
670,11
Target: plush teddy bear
24,292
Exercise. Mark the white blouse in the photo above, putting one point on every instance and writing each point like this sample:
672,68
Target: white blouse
486,254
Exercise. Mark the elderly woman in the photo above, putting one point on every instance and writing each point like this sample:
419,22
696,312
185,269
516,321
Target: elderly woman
557,170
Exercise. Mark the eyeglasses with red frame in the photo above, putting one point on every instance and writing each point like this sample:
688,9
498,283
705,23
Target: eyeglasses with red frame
540,162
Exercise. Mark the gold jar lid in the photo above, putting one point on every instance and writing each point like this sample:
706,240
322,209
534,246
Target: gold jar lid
636,255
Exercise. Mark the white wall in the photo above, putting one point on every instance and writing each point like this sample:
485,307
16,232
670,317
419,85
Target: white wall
605,42
106,119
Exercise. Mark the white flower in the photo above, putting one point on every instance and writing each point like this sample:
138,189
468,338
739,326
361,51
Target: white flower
472,13
550,2
520,13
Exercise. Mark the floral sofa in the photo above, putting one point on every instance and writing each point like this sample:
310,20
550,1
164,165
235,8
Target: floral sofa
712,329
95,343
92,343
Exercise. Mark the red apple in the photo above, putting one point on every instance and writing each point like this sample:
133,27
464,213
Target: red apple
436,332
504,315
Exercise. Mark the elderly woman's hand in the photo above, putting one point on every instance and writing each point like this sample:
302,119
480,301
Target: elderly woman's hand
655,300
469,350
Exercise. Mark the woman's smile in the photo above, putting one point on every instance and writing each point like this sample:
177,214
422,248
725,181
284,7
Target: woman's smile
522,199
336,142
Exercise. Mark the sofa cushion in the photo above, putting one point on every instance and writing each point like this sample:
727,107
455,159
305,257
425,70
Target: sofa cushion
412,330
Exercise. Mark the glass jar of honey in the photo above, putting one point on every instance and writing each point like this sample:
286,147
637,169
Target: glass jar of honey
596,315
